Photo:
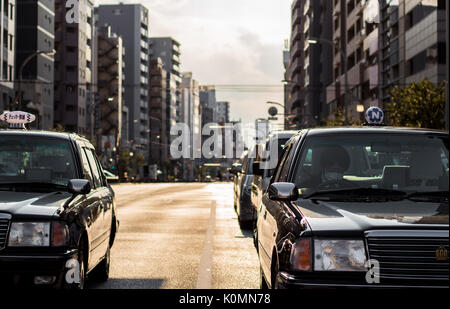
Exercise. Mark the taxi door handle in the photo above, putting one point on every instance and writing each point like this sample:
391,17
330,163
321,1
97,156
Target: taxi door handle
265,215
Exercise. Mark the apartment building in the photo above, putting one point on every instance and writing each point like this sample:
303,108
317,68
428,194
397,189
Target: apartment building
355,59
73,79
222,112
131,22
7,54
168,49
309,68
159,134
36,33
191,116
413,42
109,71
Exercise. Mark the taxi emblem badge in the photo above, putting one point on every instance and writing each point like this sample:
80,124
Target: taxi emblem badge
374,115
441,253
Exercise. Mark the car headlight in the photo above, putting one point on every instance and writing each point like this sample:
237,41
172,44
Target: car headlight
29,234
339,255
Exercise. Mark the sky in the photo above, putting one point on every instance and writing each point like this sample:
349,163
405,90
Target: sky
228,43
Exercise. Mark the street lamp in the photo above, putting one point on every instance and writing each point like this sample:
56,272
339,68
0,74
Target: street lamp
25,62
344,54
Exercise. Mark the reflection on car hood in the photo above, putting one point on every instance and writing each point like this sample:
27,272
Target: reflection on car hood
32,204
343,217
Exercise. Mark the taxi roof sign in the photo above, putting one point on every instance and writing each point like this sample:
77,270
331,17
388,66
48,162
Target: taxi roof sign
374,116
17,119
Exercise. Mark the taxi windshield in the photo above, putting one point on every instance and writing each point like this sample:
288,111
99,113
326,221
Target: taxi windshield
400,162
30,159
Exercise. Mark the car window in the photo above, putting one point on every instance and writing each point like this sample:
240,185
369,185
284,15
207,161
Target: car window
98,180
400,162
31,159
282,167
86,167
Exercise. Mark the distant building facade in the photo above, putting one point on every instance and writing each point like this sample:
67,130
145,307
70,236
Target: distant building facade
36,32
110,66
7,54
159,131
191,116
131,22
73,80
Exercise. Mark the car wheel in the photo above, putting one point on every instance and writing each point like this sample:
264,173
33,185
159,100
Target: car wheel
101,272
262,280
244,224
81,269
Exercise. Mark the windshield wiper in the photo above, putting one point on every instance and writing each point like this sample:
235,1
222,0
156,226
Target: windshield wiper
357,193
429,195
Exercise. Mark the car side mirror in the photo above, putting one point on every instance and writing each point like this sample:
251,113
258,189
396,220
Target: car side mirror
79,186
283,191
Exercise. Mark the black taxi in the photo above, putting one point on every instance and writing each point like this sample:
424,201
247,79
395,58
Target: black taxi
357,207
57,211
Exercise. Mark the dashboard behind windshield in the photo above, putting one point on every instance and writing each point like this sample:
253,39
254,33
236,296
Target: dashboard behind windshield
398,162
30,159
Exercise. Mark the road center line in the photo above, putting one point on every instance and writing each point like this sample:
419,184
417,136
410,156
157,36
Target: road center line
205,267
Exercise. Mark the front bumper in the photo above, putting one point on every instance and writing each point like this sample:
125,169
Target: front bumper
289,281
20,269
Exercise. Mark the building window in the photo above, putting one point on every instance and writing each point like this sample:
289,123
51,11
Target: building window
417,63
5,38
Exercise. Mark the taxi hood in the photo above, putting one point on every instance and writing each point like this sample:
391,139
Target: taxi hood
32,205
333,218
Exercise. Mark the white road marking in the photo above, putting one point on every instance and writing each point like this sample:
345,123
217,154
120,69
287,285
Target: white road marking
204,269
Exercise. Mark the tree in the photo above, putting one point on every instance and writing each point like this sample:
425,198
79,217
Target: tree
420,105
338,119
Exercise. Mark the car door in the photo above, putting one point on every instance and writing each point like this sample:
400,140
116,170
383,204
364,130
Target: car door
267,224
103,205
92,211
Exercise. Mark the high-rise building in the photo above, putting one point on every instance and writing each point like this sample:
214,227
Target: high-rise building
7,54
191,116
310,67
109,71
413,42
168,49
355,58
131,22
159,134
36,32
73,80
222,112
208,103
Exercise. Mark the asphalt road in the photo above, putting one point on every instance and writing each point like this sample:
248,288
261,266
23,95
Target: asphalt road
180,236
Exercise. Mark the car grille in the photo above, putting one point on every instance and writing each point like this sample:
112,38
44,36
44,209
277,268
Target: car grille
411,260
4,227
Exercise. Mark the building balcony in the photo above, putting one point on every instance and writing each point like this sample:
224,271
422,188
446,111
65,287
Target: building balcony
296,16
297,33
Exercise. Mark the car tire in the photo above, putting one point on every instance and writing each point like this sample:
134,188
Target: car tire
244,224
82,273
101,271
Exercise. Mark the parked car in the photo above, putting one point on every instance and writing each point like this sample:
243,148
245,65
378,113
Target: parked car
357,207
271,151
242,188
57,211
